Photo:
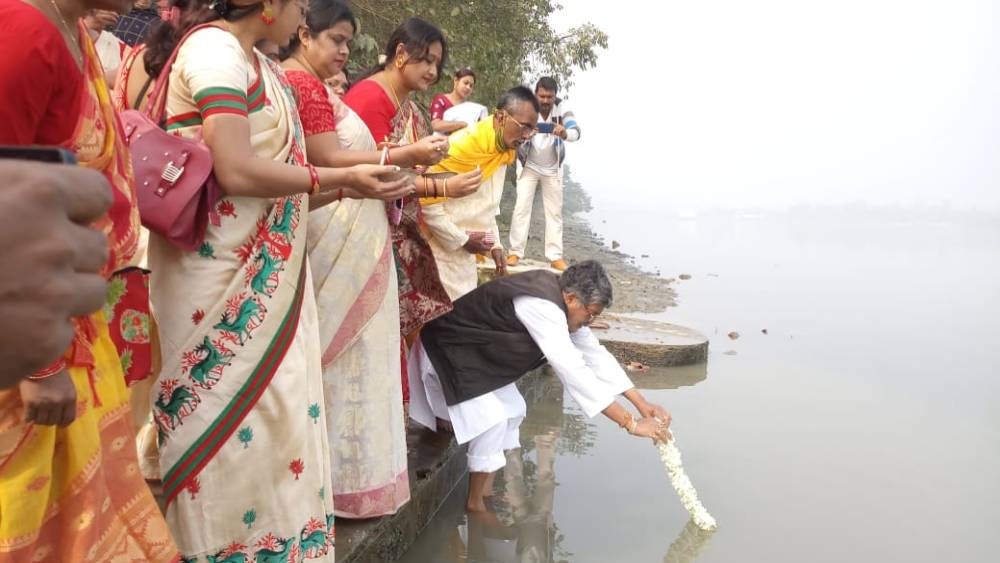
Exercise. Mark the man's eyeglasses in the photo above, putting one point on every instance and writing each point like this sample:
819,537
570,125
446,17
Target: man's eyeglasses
526,130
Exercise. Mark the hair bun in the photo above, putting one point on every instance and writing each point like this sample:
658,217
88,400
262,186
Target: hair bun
220,7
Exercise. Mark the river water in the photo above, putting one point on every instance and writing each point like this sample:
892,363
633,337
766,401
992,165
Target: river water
862,426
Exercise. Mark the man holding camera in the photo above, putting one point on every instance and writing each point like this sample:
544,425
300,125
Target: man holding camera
541,163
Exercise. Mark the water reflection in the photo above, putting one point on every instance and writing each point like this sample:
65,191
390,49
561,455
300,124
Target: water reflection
688,545
521,528
671,378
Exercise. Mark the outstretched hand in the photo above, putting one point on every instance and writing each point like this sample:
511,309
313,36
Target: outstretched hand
375,181
461,185
651,427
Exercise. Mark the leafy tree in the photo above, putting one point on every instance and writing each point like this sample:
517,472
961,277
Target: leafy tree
507,42
249,517
314,412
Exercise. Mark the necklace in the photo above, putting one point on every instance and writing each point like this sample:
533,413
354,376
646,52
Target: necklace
392,90
69,31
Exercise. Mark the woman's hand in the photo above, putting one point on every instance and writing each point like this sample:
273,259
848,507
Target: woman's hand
461,185
429,151
650,427
379,182
50,401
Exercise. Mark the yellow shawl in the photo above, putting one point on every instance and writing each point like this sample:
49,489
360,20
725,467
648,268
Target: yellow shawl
476,145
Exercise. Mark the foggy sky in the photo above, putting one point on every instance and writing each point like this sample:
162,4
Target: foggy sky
779,102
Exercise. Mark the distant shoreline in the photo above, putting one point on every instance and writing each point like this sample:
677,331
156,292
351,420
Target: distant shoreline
635,290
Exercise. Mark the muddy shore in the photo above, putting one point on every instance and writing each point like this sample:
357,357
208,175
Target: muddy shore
635,289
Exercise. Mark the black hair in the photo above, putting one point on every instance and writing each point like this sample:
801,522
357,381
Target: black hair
510,99
322,15
161,42
588,281
547,83
417,36
462,73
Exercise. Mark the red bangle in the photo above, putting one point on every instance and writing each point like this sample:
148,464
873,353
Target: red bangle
314,178
388,156
54,369
340,194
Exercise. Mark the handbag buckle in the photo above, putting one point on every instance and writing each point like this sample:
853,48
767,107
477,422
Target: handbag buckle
171,173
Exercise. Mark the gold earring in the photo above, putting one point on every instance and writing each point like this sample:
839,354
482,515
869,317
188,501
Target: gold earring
399,63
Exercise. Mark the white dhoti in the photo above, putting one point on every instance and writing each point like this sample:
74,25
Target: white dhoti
489,422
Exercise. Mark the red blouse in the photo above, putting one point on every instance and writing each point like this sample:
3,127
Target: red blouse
315,110
40,83
439,105
372,104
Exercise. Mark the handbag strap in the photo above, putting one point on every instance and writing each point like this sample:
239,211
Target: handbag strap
157,104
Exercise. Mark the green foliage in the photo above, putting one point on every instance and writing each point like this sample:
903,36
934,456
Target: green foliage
314,412
507,42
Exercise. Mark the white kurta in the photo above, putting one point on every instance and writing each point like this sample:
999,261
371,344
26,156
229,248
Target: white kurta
450,222
587,370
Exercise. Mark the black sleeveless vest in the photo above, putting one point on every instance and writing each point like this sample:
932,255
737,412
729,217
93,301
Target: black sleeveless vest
480,346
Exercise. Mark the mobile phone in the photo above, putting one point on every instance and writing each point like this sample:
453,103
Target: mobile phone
546,127
38,154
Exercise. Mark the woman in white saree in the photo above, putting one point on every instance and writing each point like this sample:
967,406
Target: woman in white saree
244,462
353,267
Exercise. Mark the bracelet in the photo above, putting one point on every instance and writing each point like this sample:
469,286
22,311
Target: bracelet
427,190
388,156
445,193
314,178
631,429
340,194
54,369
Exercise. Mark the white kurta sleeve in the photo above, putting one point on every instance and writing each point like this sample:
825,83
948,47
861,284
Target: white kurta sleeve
445,231
604,365
546,323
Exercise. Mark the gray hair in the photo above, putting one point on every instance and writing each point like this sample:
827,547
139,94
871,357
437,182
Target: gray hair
588,281
511,99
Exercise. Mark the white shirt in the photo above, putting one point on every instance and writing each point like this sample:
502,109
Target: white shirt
587,370
543,157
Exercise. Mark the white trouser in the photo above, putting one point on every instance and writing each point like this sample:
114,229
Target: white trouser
552,200
486,451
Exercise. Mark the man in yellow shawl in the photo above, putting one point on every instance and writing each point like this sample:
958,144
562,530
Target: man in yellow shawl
459,229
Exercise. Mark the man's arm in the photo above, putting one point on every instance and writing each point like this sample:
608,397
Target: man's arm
607,368
570,128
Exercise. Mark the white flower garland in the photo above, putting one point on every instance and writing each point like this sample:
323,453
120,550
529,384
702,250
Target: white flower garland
671,457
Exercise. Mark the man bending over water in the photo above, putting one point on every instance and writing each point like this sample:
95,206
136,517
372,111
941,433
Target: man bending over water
465,365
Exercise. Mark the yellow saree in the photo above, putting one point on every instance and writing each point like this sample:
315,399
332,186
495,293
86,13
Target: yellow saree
76,493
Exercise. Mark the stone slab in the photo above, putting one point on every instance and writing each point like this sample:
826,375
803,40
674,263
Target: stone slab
654,343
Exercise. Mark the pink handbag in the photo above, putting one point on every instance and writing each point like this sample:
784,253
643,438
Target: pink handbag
175,186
